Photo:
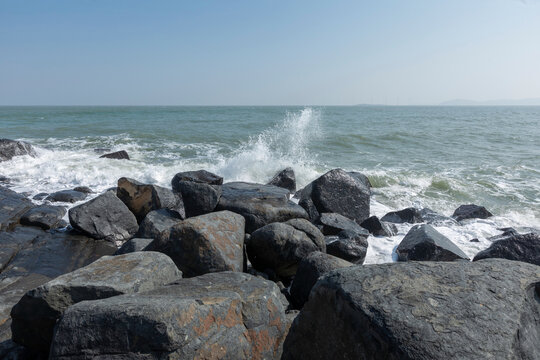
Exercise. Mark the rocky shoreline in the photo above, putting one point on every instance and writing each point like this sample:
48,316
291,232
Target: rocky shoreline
213,270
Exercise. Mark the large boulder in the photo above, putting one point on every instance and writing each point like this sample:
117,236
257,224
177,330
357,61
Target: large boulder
259,204
12,207
142,198
118,155
310,230
333,224
471,211
285,179
348,245
134,245
280,247
36,314
409,215
200,191
310,269
424,243
68,196
421,310
158,223
104,217
206,243
378,227
517,247
362,178
225,315
45,216
10,148
336,192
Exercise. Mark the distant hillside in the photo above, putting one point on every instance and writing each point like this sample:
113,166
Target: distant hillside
519,102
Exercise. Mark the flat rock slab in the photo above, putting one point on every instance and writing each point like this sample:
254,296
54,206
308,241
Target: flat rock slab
12,207
422,310
45,216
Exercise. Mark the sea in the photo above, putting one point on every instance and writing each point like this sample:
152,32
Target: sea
437,157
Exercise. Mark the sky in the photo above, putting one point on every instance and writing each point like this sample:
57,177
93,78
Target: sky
267,52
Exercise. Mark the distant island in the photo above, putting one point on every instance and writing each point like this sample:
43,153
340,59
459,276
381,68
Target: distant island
518,102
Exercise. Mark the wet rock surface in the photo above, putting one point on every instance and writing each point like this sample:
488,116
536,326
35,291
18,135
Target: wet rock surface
118,155
11,148
285,179
378,227
45,217
471,211
409,215
513,246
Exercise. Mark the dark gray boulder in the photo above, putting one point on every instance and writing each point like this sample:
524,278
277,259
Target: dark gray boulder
378,227
310,269
348,245
280,247
434,218
259,204
424,243
471,211
83,189
224,315
158,223
45,216
119,155
513,246
4,179
68,196
206,243
310,230
104,217
362,178
336,192
142,198
333,224
11,148
40,196
421,310
133,245
409,215
200,191
285,179
35,315
12,207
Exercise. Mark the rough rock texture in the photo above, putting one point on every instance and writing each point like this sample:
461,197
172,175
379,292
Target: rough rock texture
424,243
11,148
12,207
378,227
69,196
471,211
158,223
310,269
259,204
200,191
104,217
348,245
434,218
35,315
133,245
285,179
225,315
206,243
310,230
333,224
336,192
119,155
524,248
362,178
408,215
279,247
142,198
45,217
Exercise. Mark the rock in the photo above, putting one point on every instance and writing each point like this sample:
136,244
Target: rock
434,218
12,207
362,178
348,245
120,155
158,223
310,230
279,247
310,269
337,192
285,179
259,204
40,196
333,224
133,245
45,216
379,228
12,148
142,198
104,217
421,310
35,315
4,179
471,211
200,191
84,189
225,315
408,215
424,243
524,248
69,196
206,243
475,240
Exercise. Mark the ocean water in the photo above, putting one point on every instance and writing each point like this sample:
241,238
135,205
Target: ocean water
436,157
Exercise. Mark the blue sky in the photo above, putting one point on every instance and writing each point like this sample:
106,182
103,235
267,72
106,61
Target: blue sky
93,52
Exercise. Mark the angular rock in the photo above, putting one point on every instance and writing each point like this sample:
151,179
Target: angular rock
69,196
206,243
310,230
133,245
142,198
45,216
84,189
279,247
333,224
225,315
310,269
12,207
119,155
158,223
434,218
424,243
421,310
471,211
200,191
10,148
378,227
35,315
104,217
285,179
348,245
259,204
518,247
362,178
409,215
